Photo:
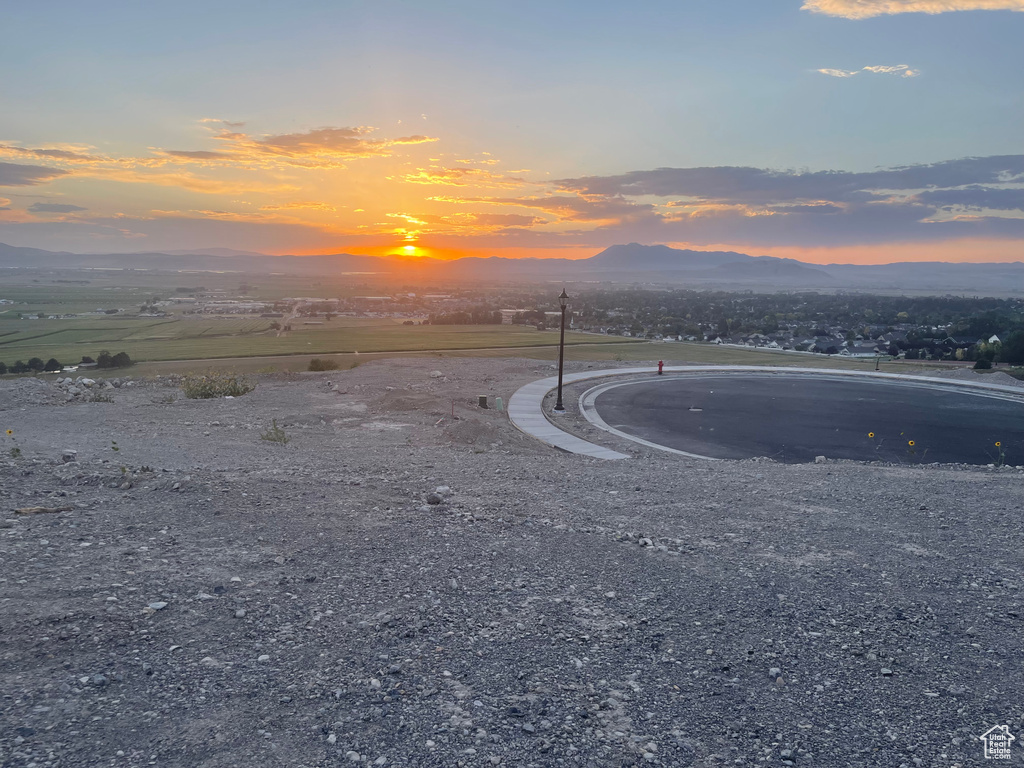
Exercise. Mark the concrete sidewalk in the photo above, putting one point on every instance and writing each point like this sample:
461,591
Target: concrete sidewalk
527,414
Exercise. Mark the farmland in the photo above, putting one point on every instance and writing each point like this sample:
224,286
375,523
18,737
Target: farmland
66,319
191,338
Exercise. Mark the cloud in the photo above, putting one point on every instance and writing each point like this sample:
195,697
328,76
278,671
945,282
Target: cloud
317,148
733,184
463,177
320,148
228,123
63,153
197,154
476,222
55,208
814,208
902,70
584,209
976,197
866,9
763,207
312,205
16,175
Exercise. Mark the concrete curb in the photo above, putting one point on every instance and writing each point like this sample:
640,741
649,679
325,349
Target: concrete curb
526,413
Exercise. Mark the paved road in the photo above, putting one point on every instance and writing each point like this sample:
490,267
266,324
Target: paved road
795,418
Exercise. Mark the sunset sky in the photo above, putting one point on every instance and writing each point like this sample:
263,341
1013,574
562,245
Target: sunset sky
825,130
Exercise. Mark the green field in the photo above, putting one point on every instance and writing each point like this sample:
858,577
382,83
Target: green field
614,350
204,337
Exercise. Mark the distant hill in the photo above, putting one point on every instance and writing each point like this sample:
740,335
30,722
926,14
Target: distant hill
628,263
650,258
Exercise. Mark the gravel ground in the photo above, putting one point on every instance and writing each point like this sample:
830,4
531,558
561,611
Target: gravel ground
394,587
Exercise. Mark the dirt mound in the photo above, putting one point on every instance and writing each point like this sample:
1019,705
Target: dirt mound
967,374
472,431
404,400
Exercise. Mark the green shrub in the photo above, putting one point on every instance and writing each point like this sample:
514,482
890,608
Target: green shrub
321,364
201,386
275,435
982,365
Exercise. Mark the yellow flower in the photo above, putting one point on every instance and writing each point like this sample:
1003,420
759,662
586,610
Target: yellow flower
871,434
999,444
910,443
10,432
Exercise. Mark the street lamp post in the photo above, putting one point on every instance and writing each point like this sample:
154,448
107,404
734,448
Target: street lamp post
563,302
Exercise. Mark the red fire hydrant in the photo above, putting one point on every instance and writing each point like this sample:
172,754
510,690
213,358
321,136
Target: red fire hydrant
661,364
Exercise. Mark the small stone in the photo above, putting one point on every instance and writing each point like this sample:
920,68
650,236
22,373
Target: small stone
157,606
886,672
332,738
433,498
68,455
264,657
528,728
240,613
819,459
352,757
442,490
98,680
610,595
436,374
774,673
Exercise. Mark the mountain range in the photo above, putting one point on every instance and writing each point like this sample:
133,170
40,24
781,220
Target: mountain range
623,264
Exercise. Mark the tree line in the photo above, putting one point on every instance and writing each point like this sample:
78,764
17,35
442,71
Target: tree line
37,365
475,316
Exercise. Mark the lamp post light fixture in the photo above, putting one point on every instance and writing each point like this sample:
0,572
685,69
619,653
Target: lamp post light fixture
563,302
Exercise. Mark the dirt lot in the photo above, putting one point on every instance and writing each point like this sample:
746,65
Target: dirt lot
205,597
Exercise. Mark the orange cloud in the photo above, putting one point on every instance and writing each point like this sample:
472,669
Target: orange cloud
466,224
64,153
463,177
298,205
317,148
